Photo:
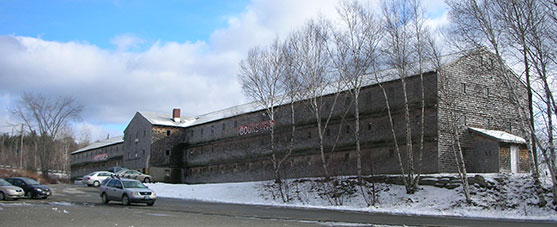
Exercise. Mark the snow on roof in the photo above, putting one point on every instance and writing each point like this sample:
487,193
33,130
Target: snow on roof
370,79
499,135
166,119
111,141
382,76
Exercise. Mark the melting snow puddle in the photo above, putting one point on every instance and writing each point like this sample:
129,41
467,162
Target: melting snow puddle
15,204
62,204
158,215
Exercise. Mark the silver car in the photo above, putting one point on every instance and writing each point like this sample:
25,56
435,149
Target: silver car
95,178
134,174
8,191
128,191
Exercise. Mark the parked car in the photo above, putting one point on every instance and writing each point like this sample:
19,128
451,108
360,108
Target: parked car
95,178
128,191
32,188
8,191
78,180
134,174
115,169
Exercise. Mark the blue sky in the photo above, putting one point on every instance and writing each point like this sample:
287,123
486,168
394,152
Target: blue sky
119,57
98,22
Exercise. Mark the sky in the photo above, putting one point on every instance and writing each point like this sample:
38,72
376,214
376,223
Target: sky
117,57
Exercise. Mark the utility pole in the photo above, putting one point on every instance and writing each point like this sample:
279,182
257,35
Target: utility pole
21,148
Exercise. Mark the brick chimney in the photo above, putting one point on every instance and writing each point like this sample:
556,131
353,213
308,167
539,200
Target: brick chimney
176,114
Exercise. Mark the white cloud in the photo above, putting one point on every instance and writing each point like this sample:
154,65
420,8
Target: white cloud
197,76
124,42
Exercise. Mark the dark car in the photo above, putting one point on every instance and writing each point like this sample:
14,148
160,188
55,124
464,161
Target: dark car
31,187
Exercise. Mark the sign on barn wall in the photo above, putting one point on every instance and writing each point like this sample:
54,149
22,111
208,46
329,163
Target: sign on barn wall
100,157
256,127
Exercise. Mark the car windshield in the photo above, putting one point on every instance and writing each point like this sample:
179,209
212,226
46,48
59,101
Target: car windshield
4,183
30,181
133,184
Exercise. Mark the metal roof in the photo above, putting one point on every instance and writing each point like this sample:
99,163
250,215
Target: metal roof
104,143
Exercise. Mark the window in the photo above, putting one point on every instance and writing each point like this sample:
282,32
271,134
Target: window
369,126
167,152
167,132
464,88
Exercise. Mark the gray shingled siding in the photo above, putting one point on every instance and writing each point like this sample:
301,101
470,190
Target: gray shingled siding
482,100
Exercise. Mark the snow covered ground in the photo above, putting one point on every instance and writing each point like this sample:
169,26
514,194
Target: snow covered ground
513,197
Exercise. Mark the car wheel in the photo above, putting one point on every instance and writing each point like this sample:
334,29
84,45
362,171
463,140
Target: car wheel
146,180
2,196
96,184
150,203
126,200
28,195
104,198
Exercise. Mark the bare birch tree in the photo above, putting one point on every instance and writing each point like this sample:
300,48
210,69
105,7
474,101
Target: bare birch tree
260,76
353,52
313,64
397,50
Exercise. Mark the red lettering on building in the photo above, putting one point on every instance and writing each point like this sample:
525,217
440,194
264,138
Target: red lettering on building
101,157
256,127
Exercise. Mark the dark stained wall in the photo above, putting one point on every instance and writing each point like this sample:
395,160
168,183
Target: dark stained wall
216,151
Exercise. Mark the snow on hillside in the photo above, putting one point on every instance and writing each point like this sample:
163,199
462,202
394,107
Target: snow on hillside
513,197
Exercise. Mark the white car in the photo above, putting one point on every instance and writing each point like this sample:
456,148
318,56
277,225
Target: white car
95,178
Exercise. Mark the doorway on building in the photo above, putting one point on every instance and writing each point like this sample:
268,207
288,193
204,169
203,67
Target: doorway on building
514,159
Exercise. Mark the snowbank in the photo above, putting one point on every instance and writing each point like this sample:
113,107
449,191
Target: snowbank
514,197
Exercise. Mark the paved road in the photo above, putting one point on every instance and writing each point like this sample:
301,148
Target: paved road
73,205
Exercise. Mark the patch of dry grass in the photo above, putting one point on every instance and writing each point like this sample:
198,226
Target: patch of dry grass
5,173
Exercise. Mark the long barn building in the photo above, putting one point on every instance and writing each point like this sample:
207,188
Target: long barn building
234,144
